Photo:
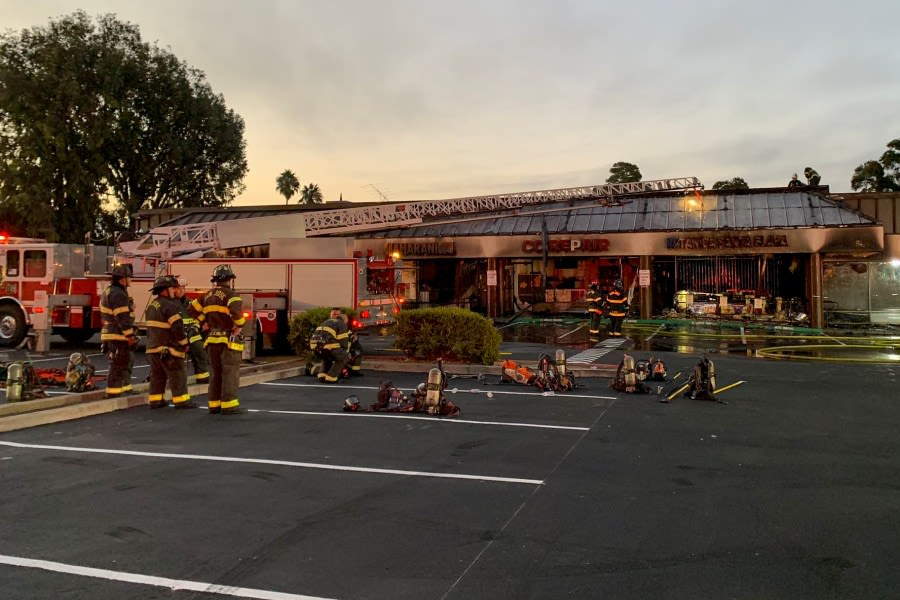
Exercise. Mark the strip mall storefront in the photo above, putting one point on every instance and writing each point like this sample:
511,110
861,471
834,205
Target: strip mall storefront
769,274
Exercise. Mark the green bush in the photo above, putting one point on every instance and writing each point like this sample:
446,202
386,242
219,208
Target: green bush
303,324
449,333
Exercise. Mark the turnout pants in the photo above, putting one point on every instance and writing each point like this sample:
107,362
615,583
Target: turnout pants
167,369
224,376
118,379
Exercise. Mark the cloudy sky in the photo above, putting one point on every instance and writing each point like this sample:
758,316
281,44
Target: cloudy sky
427,99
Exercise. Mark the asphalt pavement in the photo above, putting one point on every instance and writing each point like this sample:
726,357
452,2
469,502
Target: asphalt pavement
787,491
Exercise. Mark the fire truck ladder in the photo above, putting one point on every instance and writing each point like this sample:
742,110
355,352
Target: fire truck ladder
167,242
346,220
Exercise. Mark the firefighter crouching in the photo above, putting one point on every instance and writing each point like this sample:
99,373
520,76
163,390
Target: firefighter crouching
220,313
330,342
167,345
117,337
196,351
616,308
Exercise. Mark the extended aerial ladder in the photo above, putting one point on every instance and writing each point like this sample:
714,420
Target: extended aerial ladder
167,242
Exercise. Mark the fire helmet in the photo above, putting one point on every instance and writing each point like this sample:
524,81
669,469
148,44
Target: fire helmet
351,404
122,270
164,282
222,273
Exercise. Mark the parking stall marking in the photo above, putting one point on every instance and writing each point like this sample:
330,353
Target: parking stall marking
413,417
537,394
282,463
152,580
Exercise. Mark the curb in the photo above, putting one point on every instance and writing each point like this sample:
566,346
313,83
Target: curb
44,411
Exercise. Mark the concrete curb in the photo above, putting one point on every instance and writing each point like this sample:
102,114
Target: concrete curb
43,411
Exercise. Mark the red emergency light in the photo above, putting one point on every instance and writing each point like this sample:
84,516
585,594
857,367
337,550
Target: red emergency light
364,314
246,314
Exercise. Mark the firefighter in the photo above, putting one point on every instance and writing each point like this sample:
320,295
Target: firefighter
167,345
812,177
220,313
196,350
595,302
117,337
616,308
330,342
354,348
794,182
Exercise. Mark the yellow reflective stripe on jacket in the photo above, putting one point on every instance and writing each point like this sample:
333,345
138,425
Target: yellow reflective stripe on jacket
159,324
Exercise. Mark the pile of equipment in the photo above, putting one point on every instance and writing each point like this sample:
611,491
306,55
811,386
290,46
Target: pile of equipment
551,374
631,374
427,397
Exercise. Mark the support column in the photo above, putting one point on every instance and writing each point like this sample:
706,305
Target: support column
493,291
646,293
816,292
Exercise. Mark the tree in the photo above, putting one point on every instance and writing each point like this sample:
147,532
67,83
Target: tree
736,183
287,184
95,123
882,175
311,194
624,172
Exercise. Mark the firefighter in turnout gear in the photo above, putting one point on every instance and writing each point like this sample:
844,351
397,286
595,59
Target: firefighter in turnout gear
220,314
595,302
167,345
616,308
330,342
117,337
196,351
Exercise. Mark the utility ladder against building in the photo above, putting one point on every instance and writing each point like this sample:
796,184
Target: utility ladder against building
166,242
348,220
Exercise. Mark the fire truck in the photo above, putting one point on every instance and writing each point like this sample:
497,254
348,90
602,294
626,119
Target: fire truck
57,284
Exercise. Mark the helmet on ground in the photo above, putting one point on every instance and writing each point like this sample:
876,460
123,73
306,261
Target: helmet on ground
163,282
121,271
351,404
222,273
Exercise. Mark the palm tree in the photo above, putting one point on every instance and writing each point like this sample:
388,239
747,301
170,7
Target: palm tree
287,185
311,194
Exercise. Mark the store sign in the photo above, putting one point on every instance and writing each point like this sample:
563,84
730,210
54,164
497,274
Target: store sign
710,242
446,248
567,245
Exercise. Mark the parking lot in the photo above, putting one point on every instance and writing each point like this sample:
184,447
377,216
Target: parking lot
788,491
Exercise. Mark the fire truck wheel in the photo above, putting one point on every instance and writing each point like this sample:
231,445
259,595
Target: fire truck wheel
12,326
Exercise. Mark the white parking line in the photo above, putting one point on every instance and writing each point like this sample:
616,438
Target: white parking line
455,390
407,416
282,463
164,582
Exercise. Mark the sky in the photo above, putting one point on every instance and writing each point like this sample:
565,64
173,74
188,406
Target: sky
432,99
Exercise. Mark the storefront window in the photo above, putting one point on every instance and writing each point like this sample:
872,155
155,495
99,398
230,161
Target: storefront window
845,288
884,292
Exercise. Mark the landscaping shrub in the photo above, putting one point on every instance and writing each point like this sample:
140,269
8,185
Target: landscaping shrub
449,333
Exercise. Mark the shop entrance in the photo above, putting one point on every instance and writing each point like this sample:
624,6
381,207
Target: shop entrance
739,278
